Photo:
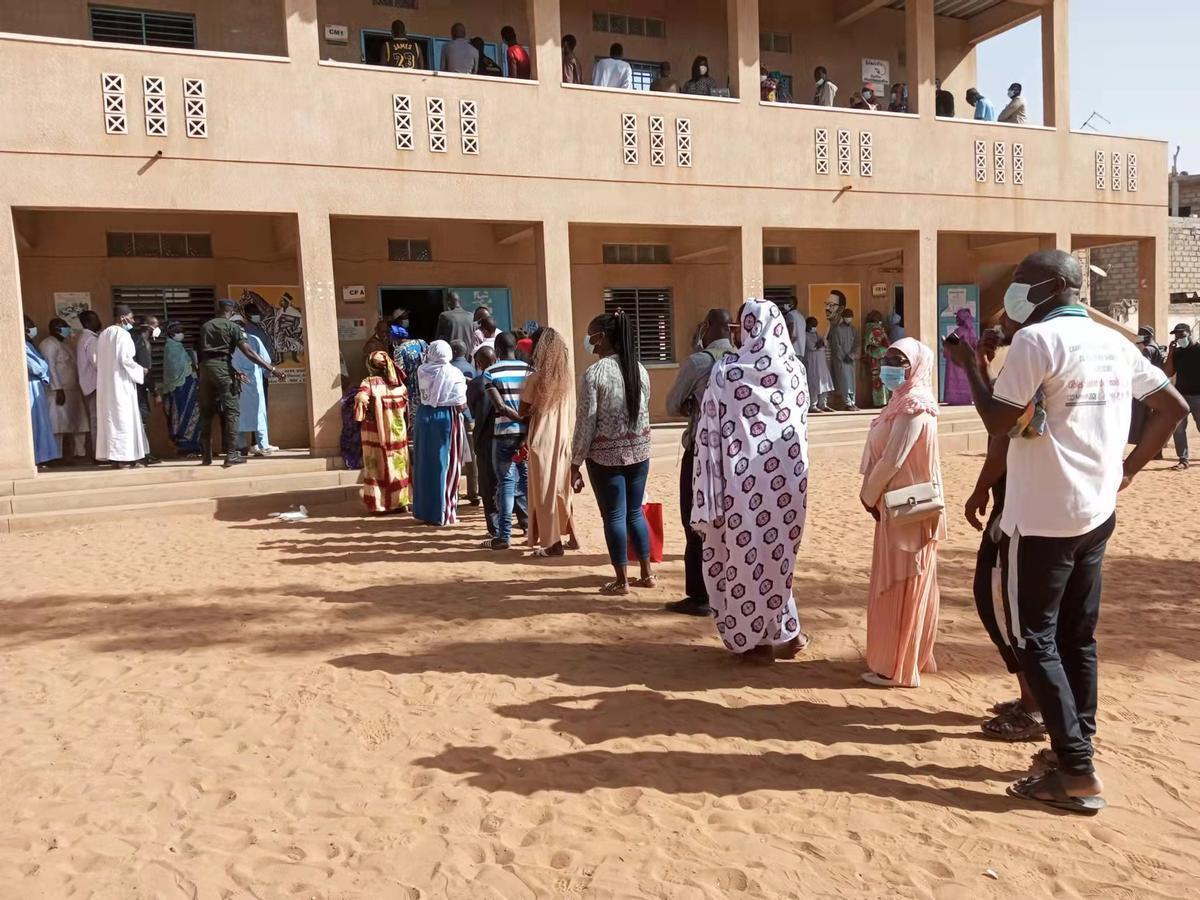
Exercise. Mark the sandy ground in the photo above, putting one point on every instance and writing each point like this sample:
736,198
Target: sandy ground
351,708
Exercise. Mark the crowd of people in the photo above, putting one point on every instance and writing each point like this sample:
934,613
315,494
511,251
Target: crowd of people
99,389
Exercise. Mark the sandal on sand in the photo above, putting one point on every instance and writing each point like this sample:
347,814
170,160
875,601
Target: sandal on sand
1047,788
794,647
1181,466
1004,707
648,582
550,553
1015,725
615,589
1045,760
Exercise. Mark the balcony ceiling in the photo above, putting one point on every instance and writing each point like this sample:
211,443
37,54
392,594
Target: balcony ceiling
955,9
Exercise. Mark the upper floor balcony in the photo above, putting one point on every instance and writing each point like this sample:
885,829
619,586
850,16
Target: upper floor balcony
301,82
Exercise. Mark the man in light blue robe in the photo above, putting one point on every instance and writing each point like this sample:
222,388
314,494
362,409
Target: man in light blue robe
45,443
253,398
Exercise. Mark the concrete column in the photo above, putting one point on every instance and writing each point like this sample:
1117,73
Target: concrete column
16,428
741,19
920,287
1058,240
546,22
320,333
303,31
552,255
1153,291
1056,64
747,272
920,47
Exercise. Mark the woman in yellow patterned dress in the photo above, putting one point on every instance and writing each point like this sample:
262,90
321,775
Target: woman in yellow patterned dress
380,406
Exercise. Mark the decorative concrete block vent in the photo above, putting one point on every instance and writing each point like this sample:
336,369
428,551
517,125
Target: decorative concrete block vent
468,123
683,143
843,146
116,114
629,139
821,143
154,104
1018,164
866,154
1131,170
435,116
1101,170
195,107
1000,161
658,141
402,121
1118,172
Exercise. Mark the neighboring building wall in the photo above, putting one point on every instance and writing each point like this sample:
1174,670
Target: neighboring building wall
232,26
1184,242
1188,187
1120,261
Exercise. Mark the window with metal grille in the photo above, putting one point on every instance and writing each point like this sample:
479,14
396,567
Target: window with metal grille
405,250
134,26
639,26
652,314
637,254
168,245
774,42
782,295
398,4
779,256
190,306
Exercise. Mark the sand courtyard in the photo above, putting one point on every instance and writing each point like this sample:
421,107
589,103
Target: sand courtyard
365,708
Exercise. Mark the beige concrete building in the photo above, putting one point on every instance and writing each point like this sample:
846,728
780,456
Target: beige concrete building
173,151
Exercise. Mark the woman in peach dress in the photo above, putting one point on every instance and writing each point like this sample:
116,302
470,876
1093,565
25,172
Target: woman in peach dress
902,450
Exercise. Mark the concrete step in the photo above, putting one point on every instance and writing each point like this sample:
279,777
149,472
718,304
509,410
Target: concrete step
241,506
137,493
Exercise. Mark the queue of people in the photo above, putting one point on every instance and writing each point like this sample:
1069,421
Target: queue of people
459,55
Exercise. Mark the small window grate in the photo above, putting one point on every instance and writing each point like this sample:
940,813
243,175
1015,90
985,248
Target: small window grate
154,245
637,254
134,26
405,250
652,313
637,26
779,256
774,42
782,295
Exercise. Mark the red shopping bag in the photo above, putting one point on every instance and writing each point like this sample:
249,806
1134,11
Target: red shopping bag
654,522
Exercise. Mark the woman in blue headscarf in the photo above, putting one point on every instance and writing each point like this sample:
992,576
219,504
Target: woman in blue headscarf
45,444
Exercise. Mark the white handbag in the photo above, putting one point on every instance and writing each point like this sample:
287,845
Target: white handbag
914,503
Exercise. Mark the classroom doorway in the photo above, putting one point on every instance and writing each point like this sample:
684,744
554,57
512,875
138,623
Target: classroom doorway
425,304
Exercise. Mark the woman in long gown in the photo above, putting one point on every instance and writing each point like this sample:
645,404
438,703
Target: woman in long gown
901,451
751,484
380,406
45,444
438,455
958,389
875,344
816,365
548,402
180,390
252,405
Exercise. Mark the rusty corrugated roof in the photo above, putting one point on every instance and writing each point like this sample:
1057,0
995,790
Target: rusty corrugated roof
956,9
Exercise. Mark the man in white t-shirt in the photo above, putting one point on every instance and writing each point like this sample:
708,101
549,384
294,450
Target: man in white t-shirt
613,71
1061,502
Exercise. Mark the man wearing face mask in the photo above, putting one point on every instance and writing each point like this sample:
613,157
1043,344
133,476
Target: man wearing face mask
120,438
85,362
826,90
146,329
844,353
1015,111
1183,364
685,399
1061,498
253,328
865,99
68,414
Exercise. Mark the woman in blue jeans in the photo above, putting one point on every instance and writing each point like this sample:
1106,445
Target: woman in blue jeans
612,435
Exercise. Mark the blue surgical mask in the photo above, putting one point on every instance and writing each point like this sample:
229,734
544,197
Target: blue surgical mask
1012,95
1016,301
892,377
64,332
128,326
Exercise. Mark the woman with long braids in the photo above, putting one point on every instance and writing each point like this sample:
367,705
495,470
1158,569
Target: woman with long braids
612,435
548,402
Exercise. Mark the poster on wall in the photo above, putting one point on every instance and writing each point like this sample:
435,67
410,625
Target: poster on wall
283,319
352,329
69,304
876,72
826,302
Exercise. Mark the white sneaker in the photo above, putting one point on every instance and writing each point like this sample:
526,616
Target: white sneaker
269,448
257,451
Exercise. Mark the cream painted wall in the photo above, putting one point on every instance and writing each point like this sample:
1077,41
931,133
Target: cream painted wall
432,18
66,251
465,254
233,26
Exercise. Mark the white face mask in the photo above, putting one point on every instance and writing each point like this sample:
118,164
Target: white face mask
1182,342
177,337
31,332
155,332
1016,301
1012,95
255,318
704,70
588,347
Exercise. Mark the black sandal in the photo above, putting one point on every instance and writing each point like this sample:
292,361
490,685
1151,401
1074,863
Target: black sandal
1014,726
1047,788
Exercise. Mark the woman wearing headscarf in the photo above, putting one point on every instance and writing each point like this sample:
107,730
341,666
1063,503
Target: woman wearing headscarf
612,435
548,402
751,484
895,331
816,364
180,392
875,344
380,406
902,451
958,389
440,435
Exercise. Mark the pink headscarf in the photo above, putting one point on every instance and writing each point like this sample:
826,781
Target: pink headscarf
916,395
